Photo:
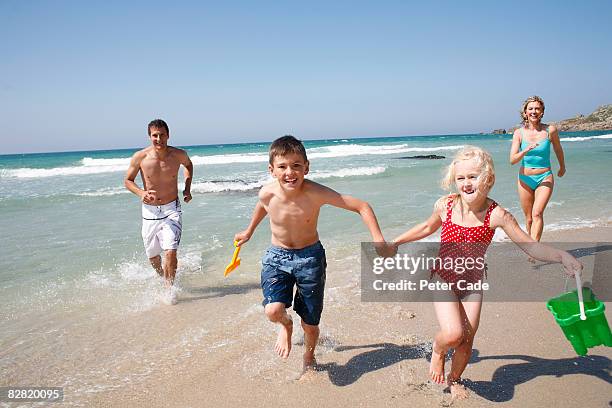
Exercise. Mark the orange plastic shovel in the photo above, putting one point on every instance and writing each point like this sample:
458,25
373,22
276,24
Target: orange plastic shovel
235,260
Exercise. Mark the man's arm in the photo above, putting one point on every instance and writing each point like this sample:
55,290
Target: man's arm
146,196
186,162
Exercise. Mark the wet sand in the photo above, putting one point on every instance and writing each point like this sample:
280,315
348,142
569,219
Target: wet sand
370,354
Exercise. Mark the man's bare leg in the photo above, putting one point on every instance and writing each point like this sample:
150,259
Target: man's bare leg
311,337
156,263
277,313
170,263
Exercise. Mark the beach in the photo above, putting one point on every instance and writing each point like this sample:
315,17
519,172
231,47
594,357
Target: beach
81,306
370,354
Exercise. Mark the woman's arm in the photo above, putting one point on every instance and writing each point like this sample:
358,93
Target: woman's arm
556,143
516,155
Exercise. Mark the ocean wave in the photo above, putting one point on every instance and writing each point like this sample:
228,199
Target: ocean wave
359,150
89,165
59,171
584,138
218,186
105,192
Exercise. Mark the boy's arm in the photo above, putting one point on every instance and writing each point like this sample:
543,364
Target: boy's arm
350,203
132,171
186,162
259,213
423,229
502,218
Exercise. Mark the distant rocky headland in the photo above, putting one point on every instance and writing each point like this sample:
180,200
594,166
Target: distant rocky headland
600,119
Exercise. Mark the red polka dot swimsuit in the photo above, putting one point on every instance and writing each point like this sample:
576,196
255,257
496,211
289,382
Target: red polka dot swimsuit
459,242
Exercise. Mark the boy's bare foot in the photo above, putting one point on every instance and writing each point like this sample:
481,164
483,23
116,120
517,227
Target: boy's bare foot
457,390
310,363
436,367
283,341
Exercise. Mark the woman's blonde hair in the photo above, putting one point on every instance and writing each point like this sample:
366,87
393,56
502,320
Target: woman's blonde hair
534,98
482,157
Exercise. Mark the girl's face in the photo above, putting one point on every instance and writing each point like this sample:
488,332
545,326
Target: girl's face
470,181
534,111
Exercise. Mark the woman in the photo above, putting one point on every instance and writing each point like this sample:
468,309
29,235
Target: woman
531,146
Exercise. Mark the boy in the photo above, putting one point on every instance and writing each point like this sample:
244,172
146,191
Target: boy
158,165
296,256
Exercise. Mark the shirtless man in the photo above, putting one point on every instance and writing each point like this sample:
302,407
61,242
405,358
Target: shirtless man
296,256
159,165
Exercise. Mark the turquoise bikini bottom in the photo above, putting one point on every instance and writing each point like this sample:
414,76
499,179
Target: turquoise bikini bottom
534,180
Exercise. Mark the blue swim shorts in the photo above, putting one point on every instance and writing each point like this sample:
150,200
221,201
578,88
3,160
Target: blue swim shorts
305,268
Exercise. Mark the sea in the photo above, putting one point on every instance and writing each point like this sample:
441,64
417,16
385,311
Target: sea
74,276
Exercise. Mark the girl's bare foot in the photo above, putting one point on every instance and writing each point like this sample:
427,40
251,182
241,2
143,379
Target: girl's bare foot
436,366
457,390
283,341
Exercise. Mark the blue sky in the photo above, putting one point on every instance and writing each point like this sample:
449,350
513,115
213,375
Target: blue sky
83,75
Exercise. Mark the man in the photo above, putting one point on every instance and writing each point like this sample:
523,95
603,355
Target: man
159,165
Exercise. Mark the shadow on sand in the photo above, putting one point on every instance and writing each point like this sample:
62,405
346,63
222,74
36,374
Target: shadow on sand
382,355
502,386
193,294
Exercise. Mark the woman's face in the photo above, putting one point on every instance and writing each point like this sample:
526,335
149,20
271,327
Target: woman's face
534,111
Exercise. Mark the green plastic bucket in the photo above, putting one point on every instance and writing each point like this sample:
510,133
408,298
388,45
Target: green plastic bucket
582,334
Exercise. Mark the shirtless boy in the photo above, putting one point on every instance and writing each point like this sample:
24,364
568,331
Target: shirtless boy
296,256
159,165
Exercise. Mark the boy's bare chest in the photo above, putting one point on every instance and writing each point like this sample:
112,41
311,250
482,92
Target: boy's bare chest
301,211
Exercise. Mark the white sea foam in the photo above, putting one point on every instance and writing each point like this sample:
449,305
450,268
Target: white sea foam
239,185
90,165
104,192
582,139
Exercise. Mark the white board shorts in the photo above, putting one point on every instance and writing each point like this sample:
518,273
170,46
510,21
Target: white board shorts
161,227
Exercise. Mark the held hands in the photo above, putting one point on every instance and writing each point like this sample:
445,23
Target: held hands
385,249
186,196
571,265
242,237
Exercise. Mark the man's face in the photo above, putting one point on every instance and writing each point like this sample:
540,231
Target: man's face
289,170
159,137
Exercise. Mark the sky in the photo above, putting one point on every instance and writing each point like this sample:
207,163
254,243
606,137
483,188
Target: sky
80,75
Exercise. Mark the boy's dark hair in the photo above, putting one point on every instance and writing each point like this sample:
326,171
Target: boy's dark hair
157,123
286,145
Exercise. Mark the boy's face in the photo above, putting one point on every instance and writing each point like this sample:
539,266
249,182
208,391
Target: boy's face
289,170
159,138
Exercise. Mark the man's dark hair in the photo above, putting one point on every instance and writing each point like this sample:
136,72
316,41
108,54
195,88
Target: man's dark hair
286,145
157,123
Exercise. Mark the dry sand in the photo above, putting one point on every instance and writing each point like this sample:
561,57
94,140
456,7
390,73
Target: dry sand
371,354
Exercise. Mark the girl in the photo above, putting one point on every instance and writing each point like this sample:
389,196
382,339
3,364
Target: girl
531,146
470,216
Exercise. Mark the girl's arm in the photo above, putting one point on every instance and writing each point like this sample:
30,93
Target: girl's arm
556,143
515,155
423,229
504,219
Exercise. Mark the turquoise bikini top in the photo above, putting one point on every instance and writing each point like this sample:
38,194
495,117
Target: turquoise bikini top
538,158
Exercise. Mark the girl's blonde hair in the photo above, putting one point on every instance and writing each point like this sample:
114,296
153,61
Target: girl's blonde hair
482,157
534,98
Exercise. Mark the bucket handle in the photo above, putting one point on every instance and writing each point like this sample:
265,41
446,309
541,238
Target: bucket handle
579,290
